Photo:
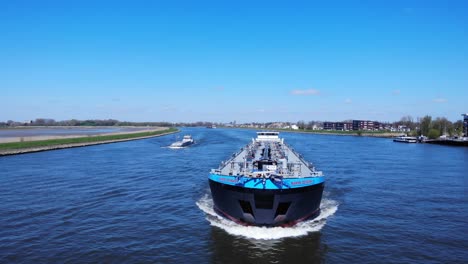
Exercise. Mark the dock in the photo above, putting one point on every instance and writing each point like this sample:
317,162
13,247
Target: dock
448,142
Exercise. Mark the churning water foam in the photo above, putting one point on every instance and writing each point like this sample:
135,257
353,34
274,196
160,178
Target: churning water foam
328,208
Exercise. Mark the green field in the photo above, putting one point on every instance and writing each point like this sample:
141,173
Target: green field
88,139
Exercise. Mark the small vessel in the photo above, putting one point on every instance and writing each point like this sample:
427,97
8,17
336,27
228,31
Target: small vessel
267,183
405,139
186,141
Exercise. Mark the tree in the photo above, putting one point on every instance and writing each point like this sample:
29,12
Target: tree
426,125
39,122
458,128
442,125
301,124
413,133
433,133
408,122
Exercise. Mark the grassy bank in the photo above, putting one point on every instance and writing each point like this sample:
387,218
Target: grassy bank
81,140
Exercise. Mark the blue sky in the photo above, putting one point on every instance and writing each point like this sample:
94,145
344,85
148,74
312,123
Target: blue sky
245,61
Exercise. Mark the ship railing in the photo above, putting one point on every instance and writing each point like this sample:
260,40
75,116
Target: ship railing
301,158
235,154
316,173
286,174
294,175
293,151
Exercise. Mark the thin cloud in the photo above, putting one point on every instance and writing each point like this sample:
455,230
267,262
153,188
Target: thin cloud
168,108
396,92
348,101
305,92
439,100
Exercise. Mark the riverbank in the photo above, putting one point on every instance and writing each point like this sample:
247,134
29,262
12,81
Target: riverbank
351,133
44,143
17,134
381,134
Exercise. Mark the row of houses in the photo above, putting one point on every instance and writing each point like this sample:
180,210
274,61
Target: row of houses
344,126
274,125
353,125
363,125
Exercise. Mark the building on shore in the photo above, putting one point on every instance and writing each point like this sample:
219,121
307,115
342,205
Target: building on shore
354,125
344,126
399,128
328,125
366,125
465,125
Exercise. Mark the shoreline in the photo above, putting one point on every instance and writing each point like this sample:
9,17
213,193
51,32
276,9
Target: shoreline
355,134
54,144
335,133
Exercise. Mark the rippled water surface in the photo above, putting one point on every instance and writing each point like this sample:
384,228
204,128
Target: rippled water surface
139,201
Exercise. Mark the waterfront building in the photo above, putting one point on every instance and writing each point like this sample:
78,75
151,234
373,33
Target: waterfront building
403,128
329,125
366,125
344,126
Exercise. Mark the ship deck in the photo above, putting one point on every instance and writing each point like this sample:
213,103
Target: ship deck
267,156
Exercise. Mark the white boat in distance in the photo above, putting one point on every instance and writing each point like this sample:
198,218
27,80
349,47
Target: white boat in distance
405,139
186,141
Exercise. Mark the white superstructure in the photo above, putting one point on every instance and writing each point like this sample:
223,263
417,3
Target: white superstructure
186,141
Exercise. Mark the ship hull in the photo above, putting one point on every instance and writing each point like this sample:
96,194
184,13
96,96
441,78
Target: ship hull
405,140
266,207
186,144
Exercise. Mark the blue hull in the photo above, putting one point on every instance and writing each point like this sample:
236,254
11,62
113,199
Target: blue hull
267,207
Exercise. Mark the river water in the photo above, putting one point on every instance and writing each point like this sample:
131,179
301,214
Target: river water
139,201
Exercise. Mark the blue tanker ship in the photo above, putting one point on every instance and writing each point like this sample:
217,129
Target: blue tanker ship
267,183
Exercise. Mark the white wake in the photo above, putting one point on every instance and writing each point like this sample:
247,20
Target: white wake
328,208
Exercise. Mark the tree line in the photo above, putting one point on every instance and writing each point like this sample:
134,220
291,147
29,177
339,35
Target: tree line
97,122
422,126
432,128
425,126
